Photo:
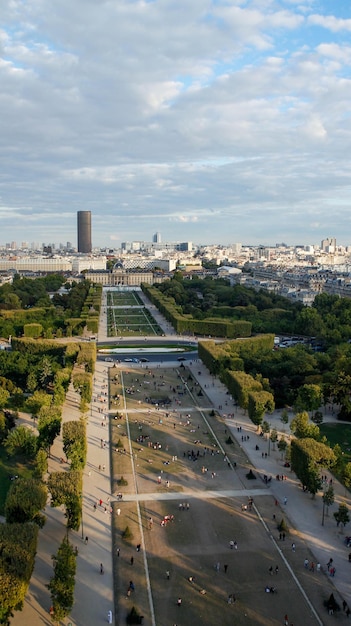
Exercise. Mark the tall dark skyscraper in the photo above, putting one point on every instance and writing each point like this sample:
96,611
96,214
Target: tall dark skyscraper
84,231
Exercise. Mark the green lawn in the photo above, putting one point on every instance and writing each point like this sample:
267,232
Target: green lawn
341,434
13,466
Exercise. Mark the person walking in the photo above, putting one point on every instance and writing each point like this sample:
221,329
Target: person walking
225,568
101,568
131,560
179,602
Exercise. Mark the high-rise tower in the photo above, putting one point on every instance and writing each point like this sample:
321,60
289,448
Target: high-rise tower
84,231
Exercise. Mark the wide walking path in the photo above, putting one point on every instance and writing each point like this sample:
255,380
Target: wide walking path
303,511
93,591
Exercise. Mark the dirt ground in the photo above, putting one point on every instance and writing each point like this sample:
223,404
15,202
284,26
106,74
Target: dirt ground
179,454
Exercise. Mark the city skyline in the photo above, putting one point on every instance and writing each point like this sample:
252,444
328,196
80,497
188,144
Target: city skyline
213,122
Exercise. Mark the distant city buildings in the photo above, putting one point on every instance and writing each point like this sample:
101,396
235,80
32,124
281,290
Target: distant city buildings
298,272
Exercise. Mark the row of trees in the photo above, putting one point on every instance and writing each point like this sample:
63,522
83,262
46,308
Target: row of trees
329,318
185,324
27,496
26,308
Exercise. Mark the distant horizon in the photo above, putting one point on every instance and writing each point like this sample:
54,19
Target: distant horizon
169,241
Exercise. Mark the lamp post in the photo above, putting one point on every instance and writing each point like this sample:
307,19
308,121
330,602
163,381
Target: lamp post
82,523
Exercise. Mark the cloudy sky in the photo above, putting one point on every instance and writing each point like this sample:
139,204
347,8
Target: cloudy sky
212,121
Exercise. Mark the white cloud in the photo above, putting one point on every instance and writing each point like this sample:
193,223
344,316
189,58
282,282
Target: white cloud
196,118
330,22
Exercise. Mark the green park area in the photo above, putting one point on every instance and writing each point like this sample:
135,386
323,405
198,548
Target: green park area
128,317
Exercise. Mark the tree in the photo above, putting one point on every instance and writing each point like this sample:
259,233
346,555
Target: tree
49,426
21,440
282,446
62,583
265,427
74,442
25,499
4,396
18,546
45,372
40,464
66,489
346,476
342,515
35,402
274,437
328,499
32,382
284,417
302,427
308,456
309,398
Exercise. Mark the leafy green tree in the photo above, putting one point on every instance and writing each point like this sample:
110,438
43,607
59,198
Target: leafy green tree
265,427
21,440
284,417
301,426
12,301
45,373
317,418
328,499
32,382
4,396
25,499
74,442
66,489
282,446
339,458
37,401
17,553
346,475
62,583
342,515
308,456
40,464
274,437
309,398
309,322
49,426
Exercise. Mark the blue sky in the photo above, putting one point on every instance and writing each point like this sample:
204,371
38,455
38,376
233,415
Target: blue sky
209,121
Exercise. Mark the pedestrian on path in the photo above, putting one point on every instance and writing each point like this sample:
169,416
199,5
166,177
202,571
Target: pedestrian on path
131,560
167,575
225,568
86,540
293,547
179,602
101,568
